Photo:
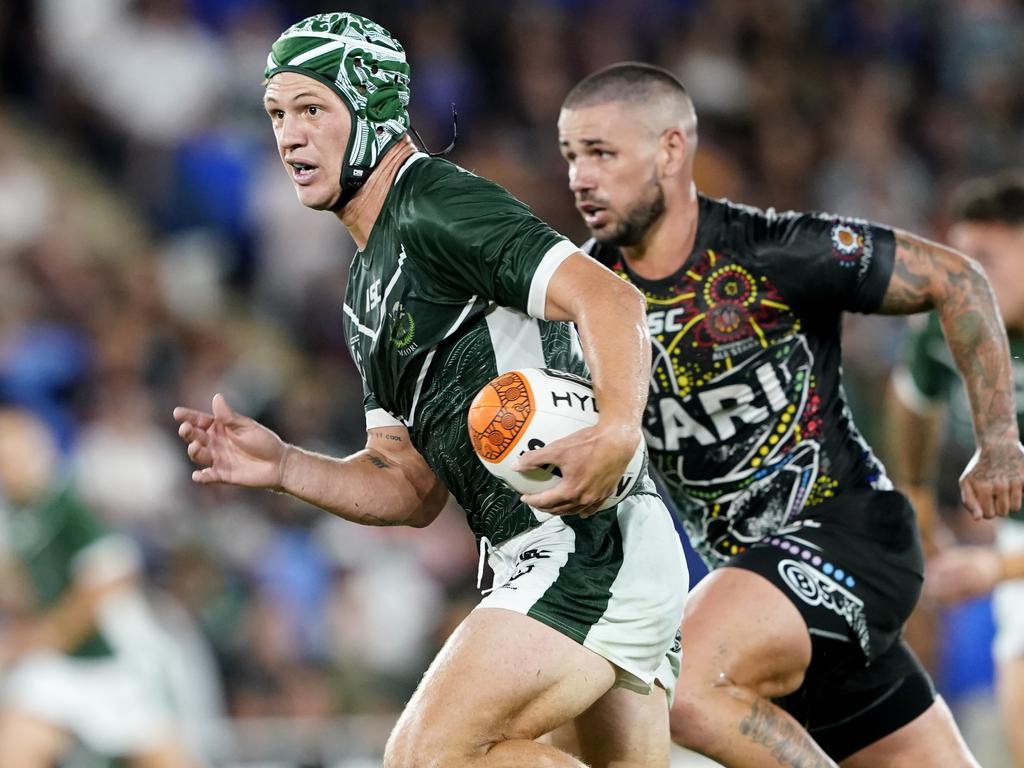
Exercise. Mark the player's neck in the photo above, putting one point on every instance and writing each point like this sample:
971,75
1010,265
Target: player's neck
361,212
669,241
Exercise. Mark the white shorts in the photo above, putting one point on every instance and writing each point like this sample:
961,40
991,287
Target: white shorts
1008,598
616,583
115,705
102,702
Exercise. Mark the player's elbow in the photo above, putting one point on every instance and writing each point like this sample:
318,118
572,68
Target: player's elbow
966,281
627,303
424,502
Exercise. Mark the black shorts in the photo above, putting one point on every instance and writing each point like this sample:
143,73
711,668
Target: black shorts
853,567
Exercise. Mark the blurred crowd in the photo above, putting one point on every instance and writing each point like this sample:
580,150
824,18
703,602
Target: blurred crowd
152,253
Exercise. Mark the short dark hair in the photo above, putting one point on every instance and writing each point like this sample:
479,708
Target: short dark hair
995,199
626,81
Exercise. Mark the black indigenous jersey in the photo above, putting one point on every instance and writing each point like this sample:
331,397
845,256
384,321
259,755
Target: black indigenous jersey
746,422
928,376
448,293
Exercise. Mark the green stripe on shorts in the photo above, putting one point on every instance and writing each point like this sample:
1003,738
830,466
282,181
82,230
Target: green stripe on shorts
579,597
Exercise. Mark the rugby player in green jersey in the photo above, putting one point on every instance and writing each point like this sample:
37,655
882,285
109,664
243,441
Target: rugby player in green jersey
454,282
816,560
987,223
86,659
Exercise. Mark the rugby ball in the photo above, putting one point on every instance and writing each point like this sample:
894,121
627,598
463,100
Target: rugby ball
526,409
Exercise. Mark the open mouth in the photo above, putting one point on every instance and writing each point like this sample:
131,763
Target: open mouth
593,215
302,173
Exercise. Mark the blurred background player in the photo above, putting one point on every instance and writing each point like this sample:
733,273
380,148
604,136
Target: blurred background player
816,560
987,223
83,658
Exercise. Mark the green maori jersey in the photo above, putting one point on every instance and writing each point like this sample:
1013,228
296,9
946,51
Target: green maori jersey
448,293
53,539
928,377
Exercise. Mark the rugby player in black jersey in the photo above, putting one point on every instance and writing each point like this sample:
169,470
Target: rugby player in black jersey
792,649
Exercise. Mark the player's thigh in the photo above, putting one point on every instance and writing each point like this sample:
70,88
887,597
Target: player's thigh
625,728
501,675
930,739
26,740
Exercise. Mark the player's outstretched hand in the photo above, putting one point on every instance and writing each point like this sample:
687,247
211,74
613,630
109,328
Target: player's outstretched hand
992,485
591,461
230,447
960,573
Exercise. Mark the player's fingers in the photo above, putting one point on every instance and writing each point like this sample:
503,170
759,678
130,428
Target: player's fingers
191,433
222,411
206,476
554,501
970,500
191,416
537,458
199,453
556,507
1001,499
1016,497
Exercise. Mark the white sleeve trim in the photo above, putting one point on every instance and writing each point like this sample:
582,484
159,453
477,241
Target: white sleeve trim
910,394
556,254
405,166
378,418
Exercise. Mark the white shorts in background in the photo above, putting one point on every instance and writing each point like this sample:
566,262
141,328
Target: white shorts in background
616,583
1008,598
121,704
103,702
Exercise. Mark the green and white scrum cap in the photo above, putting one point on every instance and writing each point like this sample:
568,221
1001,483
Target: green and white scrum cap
366,67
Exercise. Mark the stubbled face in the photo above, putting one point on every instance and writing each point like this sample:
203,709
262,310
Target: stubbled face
612,170
1000,250
312,126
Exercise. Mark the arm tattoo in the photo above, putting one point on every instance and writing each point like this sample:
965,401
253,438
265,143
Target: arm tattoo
909,286
378,462
926,274
789,745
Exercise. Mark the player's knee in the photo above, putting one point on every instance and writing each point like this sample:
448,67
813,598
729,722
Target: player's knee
411,747
700,712
711,685
768,673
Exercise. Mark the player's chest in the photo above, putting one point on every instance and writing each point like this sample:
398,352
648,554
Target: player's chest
377,318
716,308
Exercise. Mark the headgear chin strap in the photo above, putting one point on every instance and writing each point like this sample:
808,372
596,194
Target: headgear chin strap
361,62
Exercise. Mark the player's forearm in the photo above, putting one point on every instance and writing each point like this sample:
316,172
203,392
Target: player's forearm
68,623
366,488
976,337
930,275
617,347
1011,566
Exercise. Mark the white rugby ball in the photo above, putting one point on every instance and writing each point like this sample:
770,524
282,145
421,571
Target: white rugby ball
526,409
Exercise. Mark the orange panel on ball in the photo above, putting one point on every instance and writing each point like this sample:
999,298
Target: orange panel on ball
499,415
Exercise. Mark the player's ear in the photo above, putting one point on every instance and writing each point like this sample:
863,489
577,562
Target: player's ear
674,151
